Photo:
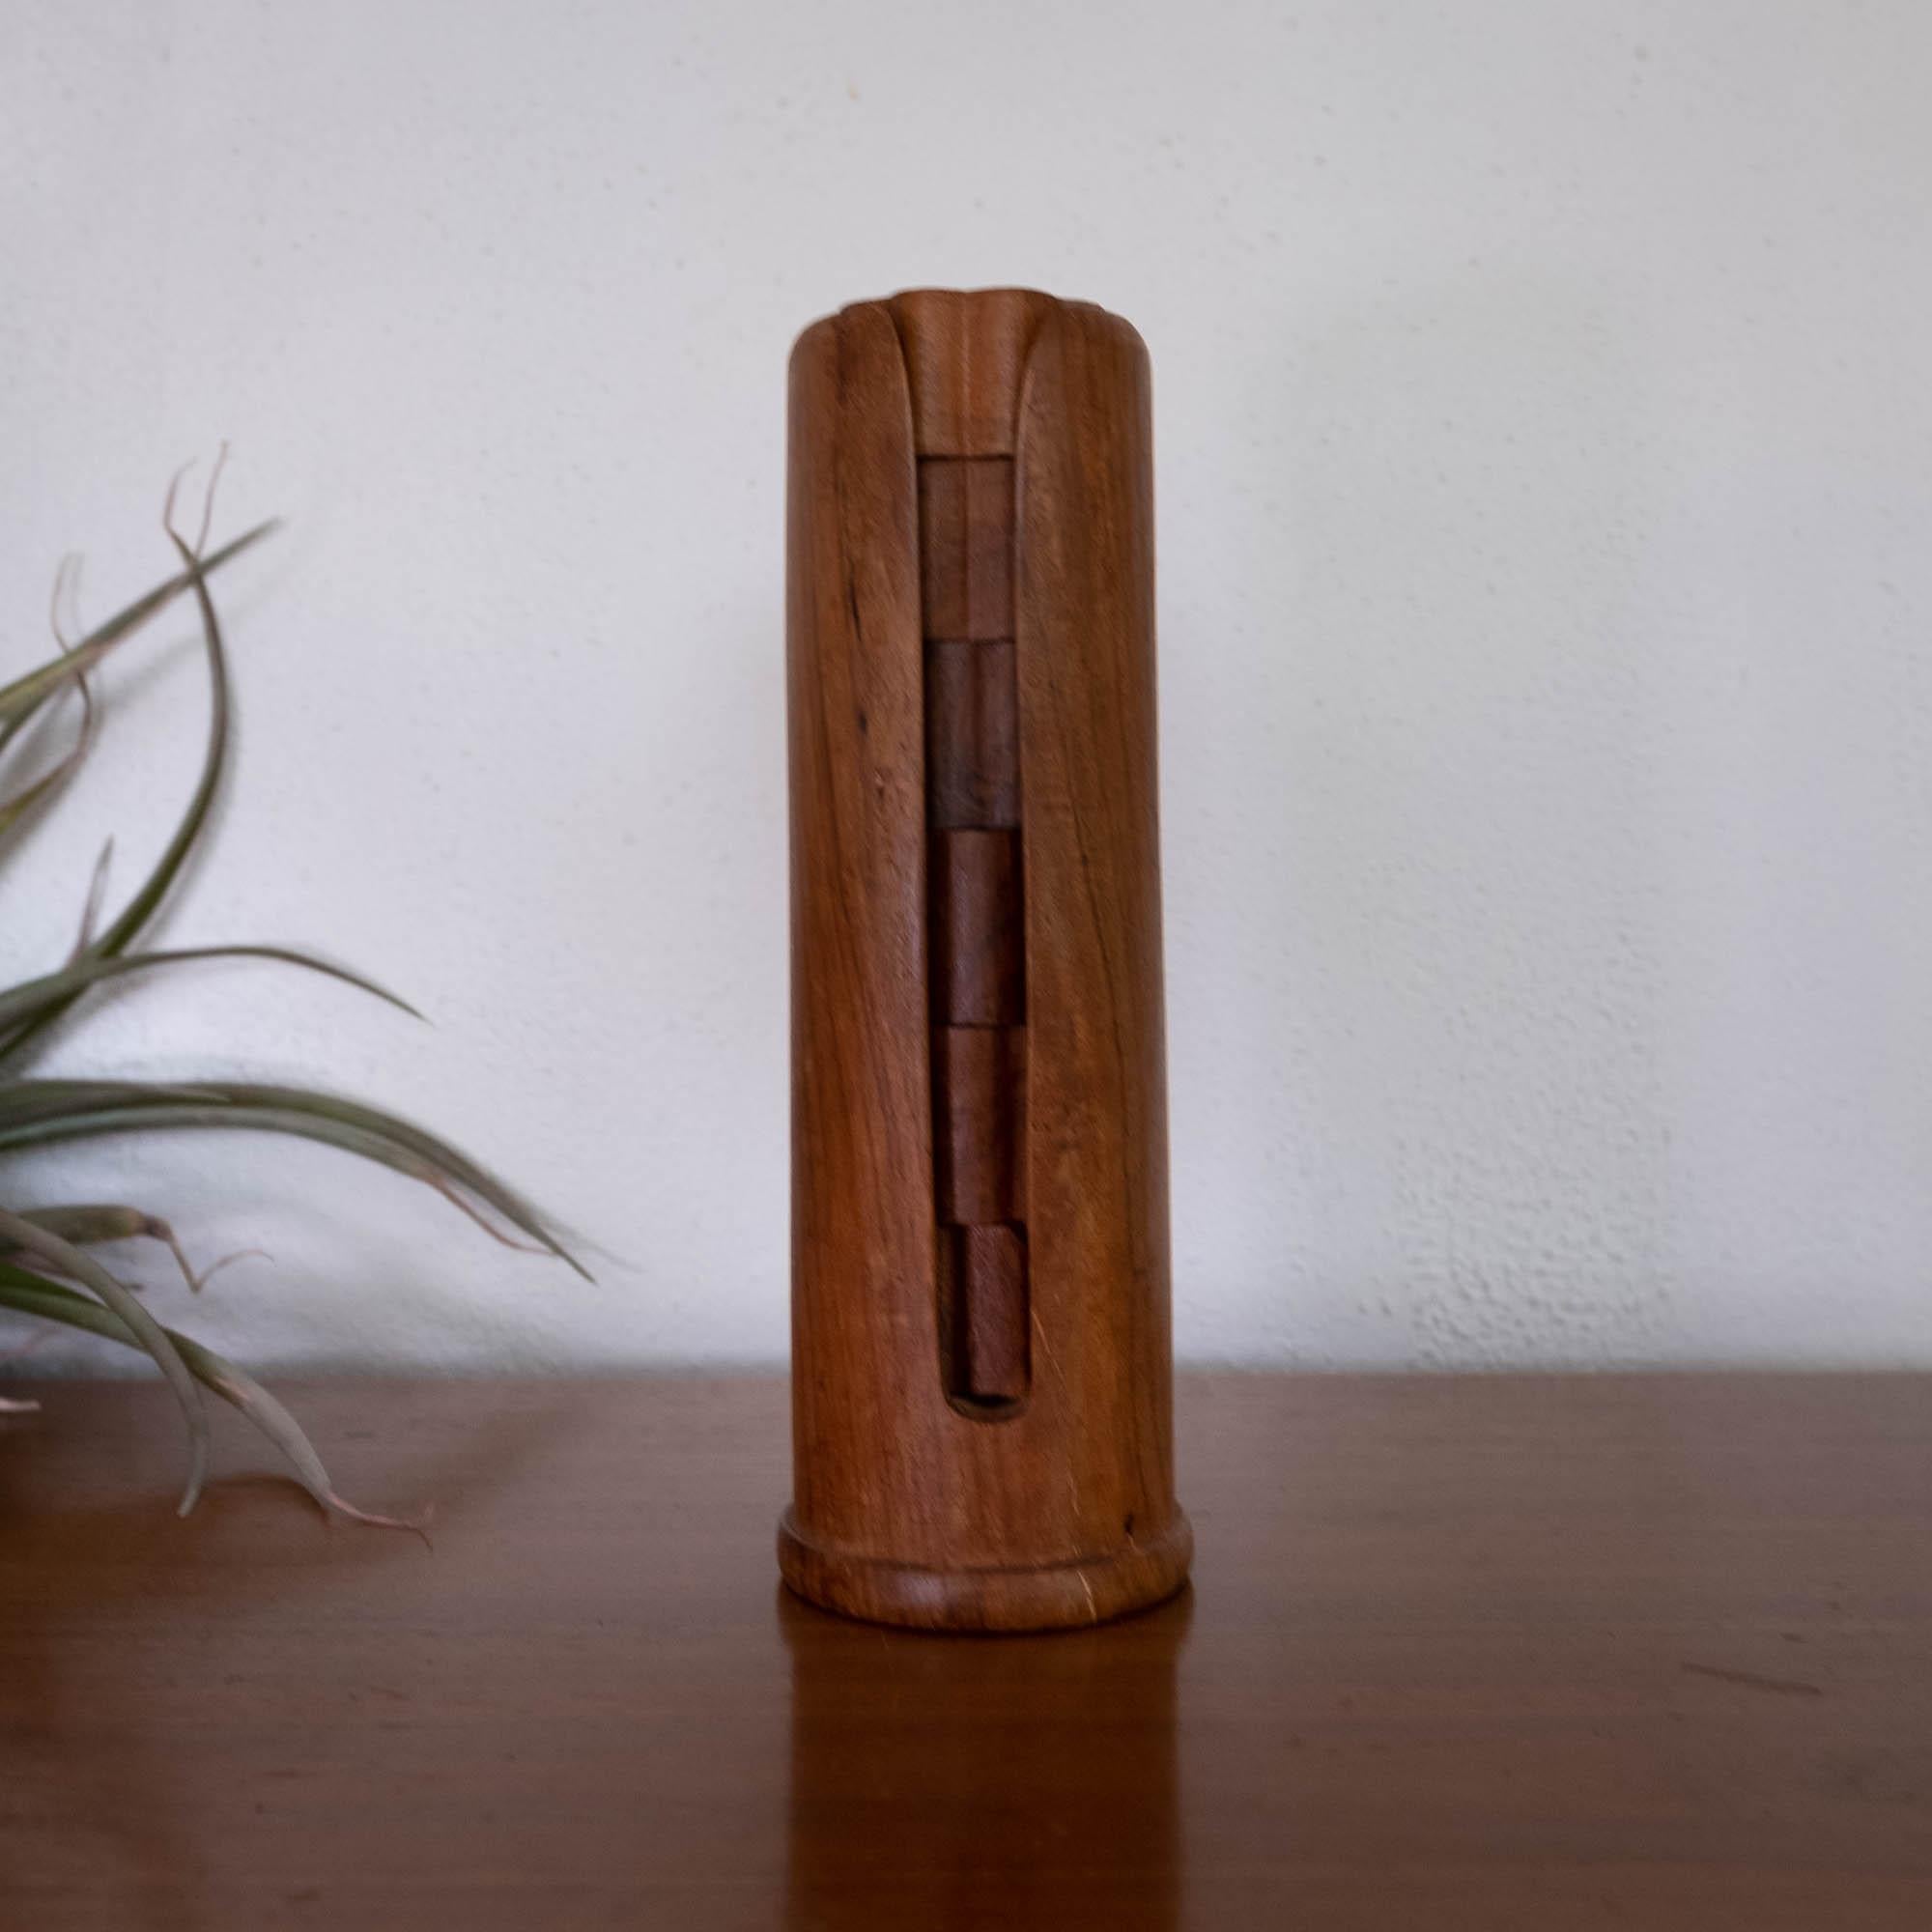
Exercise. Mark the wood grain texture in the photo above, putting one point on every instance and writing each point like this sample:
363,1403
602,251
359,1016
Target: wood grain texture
979,1082
966,352
864,1287
966,546
1097,1051
1026,534
1519,1654
971,735
993,1339
979,943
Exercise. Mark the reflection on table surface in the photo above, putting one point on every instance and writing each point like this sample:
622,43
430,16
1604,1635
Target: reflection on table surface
965,1781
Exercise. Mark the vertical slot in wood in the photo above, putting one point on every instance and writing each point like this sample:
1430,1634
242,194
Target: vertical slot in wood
972,728
979,949
975,925
991,1342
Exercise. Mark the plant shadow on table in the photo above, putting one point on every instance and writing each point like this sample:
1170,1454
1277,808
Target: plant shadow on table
976,1780
91,1728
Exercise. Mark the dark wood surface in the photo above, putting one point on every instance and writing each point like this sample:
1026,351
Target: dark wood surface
1544,1654
982,1420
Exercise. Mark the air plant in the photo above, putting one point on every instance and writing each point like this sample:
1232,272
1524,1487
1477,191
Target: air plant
49,1268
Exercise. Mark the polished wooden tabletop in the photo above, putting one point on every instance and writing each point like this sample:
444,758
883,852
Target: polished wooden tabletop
1648,1652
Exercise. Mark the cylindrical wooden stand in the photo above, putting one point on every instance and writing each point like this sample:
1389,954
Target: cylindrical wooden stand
981,1357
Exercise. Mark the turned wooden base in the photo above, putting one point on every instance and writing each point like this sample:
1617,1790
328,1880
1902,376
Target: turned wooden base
1067,1596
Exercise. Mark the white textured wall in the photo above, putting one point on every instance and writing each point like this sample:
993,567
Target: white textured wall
1545,421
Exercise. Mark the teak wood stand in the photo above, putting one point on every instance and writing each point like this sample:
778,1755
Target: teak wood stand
981,1355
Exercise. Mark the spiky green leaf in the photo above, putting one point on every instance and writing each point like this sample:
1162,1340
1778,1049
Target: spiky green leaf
29,1294
18,1231
37,1113
35,997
